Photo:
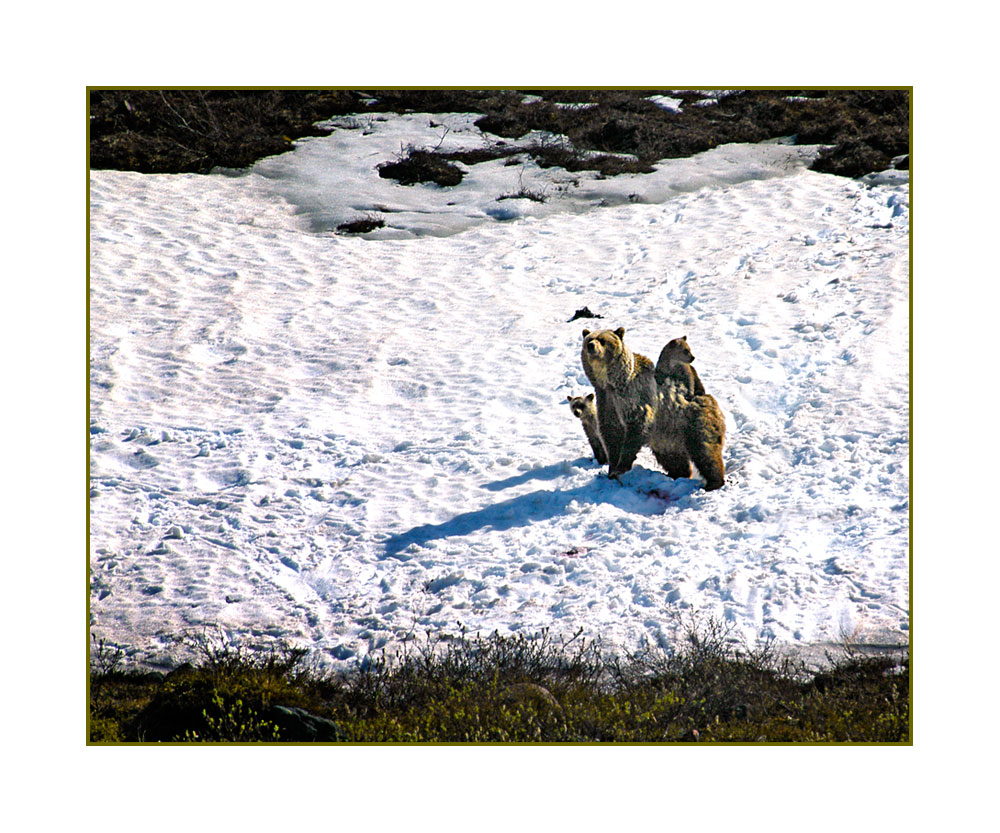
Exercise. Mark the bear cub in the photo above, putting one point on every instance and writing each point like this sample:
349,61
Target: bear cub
675,364
583,409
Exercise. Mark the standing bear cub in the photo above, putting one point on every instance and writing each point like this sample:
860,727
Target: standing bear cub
583,409
632,411
675,363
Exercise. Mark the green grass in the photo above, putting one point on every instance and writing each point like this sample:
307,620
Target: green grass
498,689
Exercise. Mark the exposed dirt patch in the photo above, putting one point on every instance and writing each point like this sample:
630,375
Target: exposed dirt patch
422,166
362,225
610,131
193,131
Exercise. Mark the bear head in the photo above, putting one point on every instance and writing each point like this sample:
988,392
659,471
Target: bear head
677,350
602,350
582,406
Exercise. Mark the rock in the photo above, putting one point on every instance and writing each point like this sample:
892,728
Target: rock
296,724
531,693
584,313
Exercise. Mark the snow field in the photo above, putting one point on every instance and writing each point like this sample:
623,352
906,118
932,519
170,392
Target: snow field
342,442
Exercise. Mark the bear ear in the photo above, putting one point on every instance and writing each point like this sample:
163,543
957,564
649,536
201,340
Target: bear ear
685,338
620,332
586,333
590,397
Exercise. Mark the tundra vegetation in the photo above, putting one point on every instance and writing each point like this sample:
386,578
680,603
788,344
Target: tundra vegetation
505,689
610,131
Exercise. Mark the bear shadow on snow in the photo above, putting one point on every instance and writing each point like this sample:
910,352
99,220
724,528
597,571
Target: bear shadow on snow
541,473
539,505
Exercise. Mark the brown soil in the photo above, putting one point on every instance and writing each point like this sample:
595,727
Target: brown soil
173,131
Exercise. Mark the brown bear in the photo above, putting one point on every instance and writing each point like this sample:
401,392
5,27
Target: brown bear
583,409
626,395
686,431
675,363
632,411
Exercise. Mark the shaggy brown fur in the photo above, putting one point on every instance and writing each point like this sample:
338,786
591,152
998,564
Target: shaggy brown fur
633,411
686,431
675,363
583,408
626,395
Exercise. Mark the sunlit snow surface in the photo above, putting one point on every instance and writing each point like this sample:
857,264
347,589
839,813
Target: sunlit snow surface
342,442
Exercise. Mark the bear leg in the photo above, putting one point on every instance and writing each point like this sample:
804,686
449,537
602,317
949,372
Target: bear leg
623,455
675,462
597,446
708,459
622,440
704,438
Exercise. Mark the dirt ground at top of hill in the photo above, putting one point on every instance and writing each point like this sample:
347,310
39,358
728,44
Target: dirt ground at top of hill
612,131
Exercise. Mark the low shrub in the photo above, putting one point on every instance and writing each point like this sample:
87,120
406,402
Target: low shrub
193,131
509,689
421,166
612,131
362,225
